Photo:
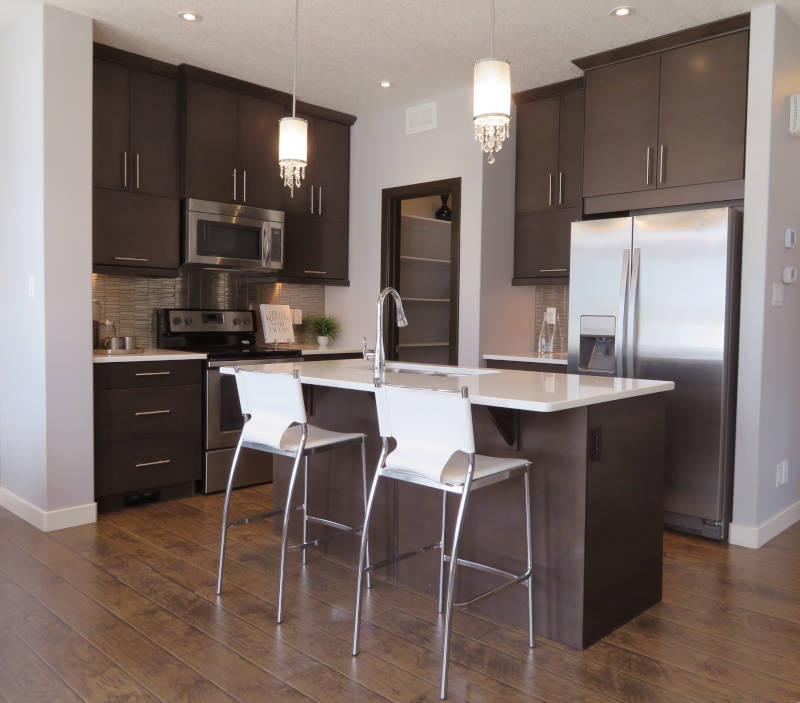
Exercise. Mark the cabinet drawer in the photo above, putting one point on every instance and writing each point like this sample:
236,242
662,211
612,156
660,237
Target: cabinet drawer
147,374
138,464
139,413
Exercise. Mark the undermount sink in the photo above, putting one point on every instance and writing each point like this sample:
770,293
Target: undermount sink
428,369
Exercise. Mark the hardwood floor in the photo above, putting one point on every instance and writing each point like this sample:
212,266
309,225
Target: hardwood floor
125,610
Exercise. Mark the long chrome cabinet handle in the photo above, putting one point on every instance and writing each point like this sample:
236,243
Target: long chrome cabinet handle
234,184
128,258
630,341
244,185
560,187
153,463
320,273
319,202
550,189
619,347
137,171
124,169
661,163
647,177
154,373
152,412
312,198
551,270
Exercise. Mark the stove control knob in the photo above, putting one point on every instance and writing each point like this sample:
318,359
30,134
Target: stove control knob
187,320
176,320
236,320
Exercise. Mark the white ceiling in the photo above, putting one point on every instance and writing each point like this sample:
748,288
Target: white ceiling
347,46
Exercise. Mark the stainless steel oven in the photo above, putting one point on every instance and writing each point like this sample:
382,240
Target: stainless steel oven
233,236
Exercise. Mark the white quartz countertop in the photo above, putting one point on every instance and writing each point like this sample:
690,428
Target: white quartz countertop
530,357
100,357
536,391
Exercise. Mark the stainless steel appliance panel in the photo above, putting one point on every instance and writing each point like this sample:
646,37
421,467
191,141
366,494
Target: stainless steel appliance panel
253,467
599,270
680,287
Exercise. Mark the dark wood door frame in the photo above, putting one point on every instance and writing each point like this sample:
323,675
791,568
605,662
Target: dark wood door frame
390,249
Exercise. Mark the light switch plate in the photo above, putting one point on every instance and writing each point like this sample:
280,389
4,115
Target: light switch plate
550,316
777,295
297,316
789,274
790,240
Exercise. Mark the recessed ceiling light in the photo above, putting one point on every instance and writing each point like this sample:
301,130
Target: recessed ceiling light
189,16
621,11
385,84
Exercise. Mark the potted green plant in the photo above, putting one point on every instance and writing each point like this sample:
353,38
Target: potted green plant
325,327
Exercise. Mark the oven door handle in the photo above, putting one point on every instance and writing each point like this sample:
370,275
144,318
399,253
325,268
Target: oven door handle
266,245
252,362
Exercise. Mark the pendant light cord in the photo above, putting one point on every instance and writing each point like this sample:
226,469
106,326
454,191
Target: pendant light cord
296,42
491,44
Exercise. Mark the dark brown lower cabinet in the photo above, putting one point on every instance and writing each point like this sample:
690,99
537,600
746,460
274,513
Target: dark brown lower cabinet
541,245
148,430
133,230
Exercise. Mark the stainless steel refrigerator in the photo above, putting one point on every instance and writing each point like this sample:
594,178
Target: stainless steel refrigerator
657,296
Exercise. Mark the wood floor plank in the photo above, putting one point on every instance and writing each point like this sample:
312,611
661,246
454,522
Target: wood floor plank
89,672
24,678
327,686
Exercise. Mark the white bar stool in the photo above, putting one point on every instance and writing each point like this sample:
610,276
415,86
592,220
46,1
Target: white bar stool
436,448
275,422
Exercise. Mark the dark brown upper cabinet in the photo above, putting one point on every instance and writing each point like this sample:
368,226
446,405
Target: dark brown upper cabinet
667,128
621,127
231,147
135,130
549,141
703,111
317,233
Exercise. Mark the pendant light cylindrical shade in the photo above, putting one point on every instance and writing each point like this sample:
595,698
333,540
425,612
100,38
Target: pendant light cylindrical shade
293,150
491,104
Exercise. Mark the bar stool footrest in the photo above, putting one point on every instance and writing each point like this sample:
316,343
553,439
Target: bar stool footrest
494,591
253,518
400,557
344,530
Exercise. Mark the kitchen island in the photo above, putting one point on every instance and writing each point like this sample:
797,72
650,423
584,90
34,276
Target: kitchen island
597,447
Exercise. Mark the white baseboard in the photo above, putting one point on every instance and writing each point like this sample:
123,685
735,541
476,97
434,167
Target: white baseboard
48,520
755,537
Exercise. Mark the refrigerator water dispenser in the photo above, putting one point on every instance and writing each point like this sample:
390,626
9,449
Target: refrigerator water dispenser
598,344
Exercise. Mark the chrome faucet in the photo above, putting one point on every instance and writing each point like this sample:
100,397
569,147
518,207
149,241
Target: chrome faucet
378,357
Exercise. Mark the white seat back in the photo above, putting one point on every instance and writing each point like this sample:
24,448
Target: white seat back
273,400
429,427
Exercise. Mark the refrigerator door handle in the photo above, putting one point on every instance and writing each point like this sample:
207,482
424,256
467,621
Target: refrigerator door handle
633,312
623,289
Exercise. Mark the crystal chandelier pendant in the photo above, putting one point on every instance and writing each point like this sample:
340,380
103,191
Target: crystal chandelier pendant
491,101
293,151
293,132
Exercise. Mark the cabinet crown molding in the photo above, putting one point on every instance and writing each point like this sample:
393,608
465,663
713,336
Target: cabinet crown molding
665,42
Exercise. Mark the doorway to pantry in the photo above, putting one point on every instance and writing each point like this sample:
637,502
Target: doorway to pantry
420,258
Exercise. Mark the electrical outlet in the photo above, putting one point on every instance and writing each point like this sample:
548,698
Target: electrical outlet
550,316
777,295
782,473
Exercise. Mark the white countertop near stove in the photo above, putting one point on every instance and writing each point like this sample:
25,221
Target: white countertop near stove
100,357
313,349
535,391
530,357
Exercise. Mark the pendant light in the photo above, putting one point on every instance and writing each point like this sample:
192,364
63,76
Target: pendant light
491,100
293,132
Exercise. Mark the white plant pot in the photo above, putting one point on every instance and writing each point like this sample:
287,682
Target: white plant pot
323,341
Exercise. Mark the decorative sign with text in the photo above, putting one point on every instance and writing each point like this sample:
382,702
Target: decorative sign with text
276,321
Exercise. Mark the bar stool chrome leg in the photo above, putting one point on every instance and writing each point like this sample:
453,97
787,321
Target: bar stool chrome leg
441,552
304,557
228,490
366,498
527,478
451,583
287,513
361,555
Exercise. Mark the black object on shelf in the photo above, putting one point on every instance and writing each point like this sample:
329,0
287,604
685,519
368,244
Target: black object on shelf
444,212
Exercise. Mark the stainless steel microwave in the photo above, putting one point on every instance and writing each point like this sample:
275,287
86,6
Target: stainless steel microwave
233,236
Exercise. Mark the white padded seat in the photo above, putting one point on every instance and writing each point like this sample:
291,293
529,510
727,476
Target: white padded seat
317,438
454,472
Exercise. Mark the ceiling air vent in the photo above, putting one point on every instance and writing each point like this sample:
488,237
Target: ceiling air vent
420,118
